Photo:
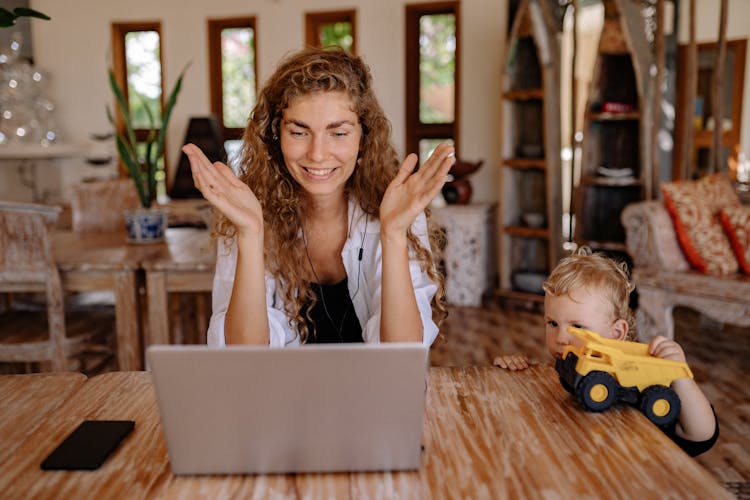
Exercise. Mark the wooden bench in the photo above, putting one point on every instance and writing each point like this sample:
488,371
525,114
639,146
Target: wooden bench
664,279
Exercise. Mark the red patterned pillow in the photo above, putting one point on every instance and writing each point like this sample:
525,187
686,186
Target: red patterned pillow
736,222
717,192
694,207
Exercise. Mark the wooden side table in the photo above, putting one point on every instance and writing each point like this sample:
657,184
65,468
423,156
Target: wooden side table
468,251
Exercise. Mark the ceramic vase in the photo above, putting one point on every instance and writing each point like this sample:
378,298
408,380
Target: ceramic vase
146,225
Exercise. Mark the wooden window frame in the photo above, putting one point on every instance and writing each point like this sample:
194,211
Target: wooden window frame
415,129
119,67
314,21
216,84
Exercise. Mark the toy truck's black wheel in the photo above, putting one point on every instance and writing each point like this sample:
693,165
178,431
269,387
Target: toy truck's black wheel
660,404
597,391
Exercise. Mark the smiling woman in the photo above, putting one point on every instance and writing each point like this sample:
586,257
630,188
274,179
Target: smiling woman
320,136
324,237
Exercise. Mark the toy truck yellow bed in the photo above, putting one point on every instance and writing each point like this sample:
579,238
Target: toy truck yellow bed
601,372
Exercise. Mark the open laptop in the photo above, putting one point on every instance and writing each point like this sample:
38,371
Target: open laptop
316,408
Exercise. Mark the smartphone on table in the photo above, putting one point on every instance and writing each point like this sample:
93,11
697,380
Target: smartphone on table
89,445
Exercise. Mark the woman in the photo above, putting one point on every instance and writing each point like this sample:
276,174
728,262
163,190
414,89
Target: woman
324,234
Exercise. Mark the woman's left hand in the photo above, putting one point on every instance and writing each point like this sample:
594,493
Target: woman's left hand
410,192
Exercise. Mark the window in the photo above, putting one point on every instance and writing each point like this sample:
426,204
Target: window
137,64
330,29
233,69
432,76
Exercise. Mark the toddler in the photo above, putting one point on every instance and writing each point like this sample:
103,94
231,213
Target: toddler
588,290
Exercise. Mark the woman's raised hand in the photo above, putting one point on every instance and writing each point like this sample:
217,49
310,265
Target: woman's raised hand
410,192
226,192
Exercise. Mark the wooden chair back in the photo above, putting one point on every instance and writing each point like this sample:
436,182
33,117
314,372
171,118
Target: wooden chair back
27,265
99,205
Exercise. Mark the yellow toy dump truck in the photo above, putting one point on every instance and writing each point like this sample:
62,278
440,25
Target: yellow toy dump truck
602,371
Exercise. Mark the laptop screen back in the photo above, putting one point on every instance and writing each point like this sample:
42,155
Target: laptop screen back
319,408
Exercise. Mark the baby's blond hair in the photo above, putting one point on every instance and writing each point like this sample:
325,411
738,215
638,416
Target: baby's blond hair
595,272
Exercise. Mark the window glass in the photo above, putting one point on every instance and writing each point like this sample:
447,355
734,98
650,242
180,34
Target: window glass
432,75
336,34
331,29
144,77
437,68
238,75
427,146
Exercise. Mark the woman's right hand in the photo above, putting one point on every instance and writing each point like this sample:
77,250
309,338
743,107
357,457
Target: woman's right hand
226,192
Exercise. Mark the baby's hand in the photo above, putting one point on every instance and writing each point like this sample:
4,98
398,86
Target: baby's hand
662,347
514,362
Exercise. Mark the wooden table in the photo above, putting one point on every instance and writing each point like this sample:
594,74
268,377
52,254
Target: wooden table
488,433
106,261
184,264
27,400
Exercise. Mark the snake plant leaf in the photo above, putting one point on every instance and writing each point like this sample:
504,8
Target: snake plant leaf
26,12
123,106
168,111
134,169
8,18
127,143
142,169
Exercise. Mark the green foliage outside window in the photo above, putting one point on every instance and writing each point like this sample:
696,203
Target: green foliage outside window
144,78
238,75
437,68
337,35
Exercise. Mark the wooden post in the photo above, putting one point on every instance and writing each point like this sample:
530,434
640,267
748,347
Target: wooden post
573,121
717,81
660,57
688,107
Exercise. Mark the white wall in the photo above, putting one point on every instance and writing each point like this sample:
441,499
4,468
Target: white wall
707,30
74,49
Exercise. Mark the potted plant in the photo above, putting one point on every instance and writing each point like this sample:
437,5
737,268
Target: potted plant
142,158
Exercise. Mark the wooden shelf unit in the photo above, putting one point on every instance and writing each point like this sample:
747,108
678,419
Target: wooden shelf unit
530,178
733,85
619,139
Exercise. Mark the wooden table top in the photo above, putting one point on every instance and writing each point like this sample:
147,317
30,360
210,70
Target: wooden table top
184,249
106,251
98,251
488,433
25,402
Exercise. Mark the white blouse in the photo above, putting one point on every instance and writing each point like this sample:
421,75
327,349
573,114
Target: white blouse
364,281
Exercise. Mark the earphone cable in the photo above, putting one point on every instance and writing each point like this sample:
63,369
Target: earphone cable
340,328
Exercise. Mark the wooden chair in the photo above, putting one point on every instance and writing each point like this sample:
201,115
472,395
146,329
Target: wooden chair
99,205
27,265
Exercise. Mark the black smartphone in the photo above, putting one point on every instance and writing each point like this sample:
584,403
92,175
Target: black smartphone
89,445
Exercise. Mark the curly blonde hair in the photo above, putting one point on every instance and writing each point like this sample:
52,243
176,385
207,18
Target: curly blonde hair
263,169
595,271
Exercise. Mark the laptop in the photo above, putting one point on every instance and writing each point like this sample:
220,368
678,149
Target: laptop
315,408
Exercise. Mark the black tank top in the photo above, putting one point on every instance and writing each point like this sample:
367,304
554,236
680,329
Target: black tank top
339,324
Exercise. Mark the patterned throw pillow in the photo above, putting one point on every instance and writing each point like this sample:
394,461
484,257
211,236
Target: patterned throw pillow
736,222
695,207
